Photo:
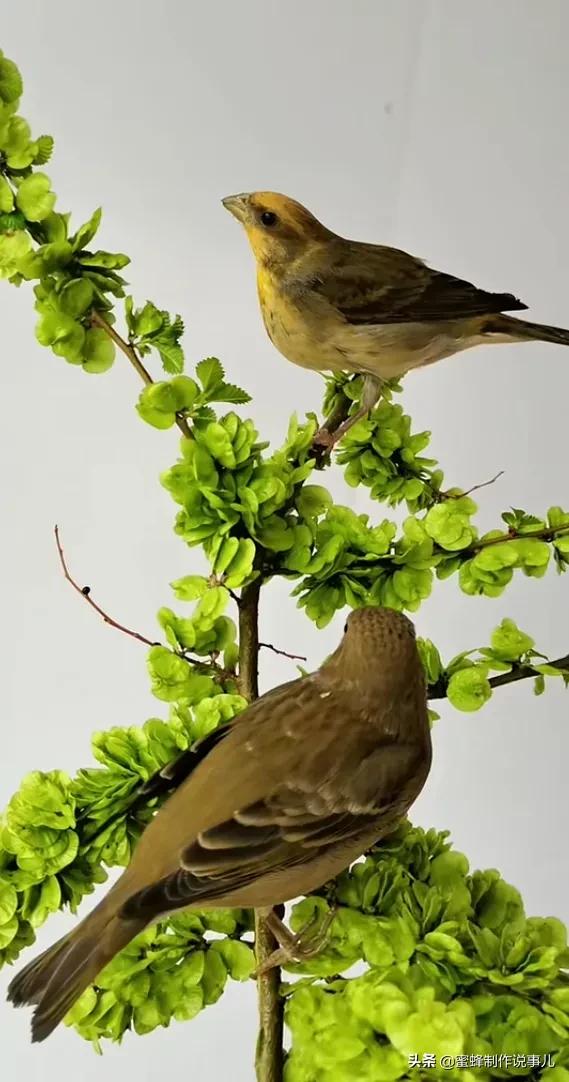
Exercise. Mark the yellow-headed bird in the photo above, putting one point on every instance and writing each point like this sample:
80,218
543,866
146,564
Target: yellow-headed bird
338,305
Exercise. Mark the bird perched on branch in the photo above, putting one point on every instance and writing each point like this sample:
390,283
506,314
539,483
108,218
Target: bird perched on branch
306,779
339,305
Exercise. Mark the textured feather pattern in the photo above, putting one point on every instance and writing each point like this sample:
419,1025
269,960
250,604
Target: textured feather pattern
298,786
371,284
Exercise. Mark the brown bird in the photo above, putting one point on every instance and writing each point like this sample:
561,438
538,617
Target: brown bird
303,782
340,305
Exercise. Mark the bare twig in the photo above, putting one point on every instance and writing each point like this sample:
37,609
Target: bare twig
85,592
129,351
475,488
269,1056
283,653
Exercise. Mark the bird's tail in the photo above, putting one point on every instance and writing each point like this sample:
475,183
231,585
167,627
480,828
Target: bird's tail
56,979
519,330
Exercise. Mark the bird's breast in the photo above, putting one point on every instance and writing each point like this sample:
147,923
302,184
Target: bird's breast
300,326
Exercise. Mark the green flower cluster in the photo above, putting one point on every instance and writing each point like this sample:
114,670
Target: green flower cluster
234,503
465,680
443,542
171,971
383,454
58,835
454,967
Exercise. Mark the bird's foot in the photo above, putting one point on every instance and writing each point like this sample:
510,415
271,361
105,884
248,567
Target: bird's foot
299,946
324,440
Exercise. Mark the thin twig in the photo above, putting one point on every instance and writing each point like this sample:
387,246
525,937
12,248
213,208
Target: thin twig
517,672
85,592
123,345
475,488
130,352
269,1055
283,653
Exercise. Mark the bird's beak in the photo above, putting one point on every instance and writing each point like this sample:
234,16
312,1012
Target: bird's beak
237,205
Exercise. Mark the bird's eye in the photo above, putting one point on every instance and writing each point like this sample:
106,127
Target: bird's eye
268,218
345,628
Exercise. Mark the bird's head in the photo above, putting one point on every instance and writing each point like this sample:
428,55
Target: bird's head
279,229
378,650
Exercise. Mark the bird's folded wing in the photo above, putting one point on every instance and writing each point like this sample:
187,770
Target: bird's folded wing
289,827
266,836
370,284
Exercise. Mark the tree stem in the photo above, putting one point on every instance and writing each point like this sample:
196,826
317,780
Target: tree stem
269,1055
98,320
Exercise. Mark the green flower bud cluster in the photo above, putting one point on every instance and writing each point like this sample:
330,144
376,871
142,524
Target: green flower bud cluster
445,541
454,967
59,834
170,972
492,567
207,631
383,454
233,502
465,680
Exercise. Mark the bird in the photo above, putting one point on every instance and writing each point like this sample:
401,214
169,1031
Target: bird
295,789
337,305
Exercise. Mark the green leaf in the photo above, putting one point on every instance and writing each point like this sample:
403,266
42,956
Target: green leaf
190,588
35,198
104,260
171,355
509,643
87,232
147,321
76,297
449,526
8,902
313,501
210,374
11,86
18,148
229,392
469,689
6,196
44,150
239,958
98,351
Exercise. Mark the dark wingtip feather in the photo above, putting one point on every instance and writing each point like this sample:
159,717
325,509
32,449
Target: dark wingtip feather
513,304
41,1028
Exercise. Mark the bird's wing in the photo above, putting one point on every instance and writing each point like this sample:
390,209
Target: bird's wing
371,284
331,788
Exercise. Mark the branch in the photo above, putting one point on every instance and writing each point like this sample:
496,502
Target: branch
517,672
129,351
85,592
543,533
269,1055
283,653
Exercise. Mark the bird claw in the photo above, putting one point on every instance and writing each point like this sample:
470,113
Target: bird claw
324,440
300,946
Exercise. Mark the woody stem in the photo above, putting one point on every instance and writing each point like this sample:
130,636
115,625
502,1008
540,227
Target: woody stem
269,1054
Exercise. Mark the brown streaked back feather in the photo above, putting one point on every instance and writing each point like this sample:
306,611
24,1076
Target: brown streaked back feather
372,284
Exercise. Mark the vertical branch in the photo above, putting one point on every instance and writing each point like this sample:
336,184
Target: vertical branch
269,1055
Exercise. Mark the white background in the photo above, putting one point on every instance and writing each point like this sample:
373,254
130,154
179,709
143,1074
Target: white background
438,126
